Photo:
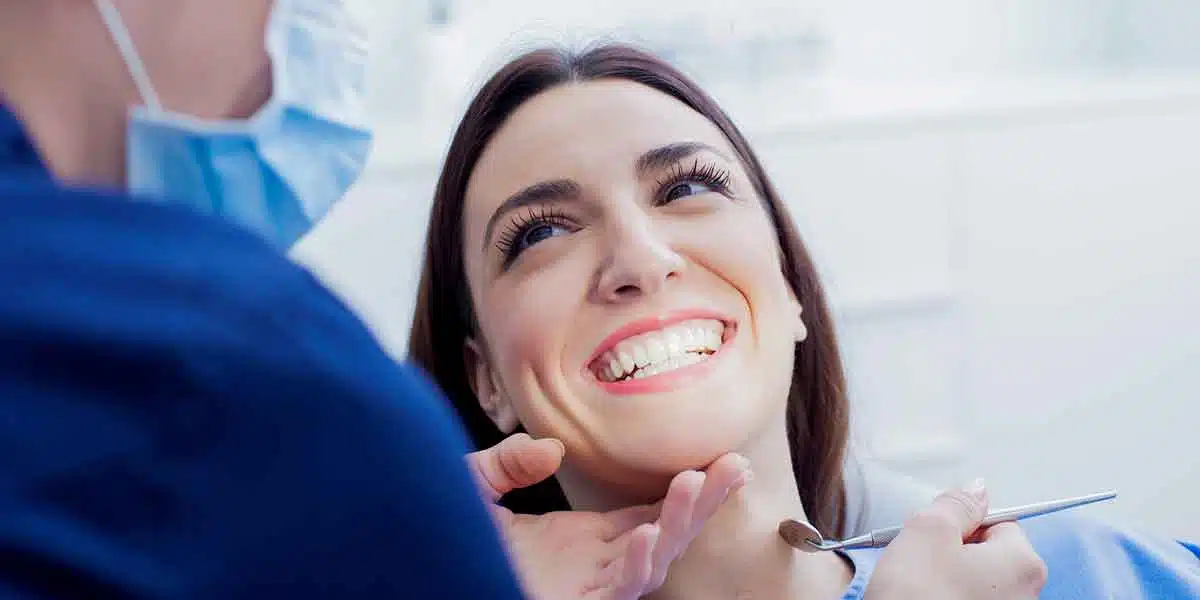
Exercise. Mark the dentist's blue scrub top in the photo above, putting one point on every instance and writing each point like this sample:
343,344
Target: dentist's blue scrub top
184,413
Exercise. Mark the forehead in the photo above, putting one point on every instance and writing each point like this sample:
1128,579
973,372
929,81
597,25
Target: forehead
573,130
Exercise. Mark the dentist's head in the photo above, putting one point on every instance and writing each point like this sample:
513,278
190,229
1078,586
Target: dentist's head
250,110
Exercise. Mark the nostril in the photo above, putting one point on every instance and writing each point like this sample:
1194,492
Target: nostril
627,290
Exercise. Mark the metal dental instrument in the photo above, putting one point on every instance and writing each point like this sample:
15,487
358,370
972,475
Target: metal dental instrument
803,536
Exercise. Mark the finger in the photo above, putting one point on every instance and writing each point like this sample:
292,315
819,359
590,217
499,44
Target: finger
619,522
1003,533
627,577
1006,556
679,504
952,518
518,461
726,474
675,521
723,477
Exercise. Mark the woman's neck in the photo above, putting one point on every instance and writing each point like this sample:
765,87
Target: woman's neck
739,553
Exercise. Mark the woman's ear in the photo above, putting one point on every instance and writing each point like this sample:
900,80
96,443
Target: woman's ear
487,389
801,332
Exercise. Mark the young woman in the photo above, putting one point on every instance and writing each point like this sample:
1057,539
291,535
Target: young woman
608,265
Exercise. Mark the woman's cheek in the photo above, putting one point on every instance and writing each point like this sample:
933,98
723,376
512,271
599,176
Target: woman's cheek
740,248
513,335
530,324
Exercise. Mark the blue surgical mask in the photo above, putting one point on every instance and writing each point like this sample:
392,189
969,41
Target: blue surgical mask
279,172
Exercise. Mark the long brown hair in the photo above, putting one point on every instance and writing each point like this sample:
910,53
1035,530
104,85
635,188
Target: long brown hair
817,410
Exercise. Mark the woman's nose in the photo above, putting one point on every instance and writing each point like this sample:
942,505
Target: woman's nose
639,263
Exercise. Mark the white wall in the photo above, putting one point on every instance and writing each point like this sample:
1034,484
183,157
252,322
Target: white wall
857,38
426,71
1158,33
1081,286
924,38
369,250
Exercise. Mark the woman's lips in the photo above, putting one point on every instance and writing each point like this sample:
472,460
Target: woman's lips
660,354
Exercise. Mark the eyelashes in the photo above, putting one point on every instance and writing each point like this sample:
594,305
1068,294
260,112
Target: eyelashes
709,175
535,224
516,235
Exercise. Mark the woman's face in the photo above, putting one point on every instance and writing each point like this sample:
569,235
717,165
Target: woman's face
628,286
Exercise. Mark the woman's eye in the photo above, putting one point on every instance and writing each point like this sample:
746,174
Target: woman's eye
539,233
686,188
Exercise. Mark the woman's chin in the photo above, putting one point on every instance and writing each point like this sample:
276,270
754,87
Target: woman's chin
637,468
636,455
664,456
688,441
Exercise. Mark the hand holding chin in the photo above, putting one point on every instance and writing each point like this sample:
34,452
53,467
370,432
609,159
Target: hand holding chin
618,555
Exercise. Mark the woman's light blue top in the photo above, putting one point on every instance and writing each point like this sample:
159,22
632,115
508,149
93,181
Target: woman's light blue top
1091,560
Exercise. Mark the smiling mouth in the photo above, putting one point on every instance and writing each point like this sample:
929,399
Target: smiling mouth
674,347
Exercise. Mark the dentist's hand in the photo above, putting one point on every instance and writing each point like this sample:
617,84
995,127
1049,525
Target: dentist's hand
930,559
621,555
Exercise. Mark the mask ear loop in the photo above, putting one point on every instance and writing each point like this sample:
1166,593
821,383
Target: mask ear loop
133,62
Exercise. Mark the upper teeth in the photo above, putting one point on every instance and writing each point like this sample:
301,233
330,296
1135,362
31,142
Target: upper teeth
679,345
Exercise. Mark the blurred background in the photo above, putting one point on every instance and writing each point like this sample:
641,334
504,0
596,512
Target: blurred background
1001,195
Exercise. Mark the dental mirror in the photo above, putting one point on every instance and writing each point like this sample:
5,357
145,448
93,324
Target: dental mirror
801,536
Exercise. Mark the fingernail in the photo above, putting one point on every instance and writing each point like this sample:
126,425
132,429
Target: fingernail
739,483
562,448
978,489
729,492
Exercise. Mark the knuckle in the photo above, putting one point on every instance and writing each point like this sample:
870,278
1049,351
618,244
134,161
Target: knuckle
518,468
932,523
963,502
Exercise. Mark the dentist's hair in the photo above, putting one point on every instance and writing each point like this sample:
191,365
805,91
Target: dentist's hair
817,408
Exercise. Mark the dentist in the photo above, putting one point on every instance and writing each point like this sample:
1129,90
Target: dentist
183,412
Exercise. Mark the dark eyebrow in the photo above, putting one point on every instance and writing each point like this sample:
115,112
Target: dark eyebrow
538,193
558,189
665,156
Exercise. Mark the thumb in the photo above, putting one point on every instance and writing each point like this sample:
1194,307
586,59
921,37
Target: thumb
957,512
518,461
